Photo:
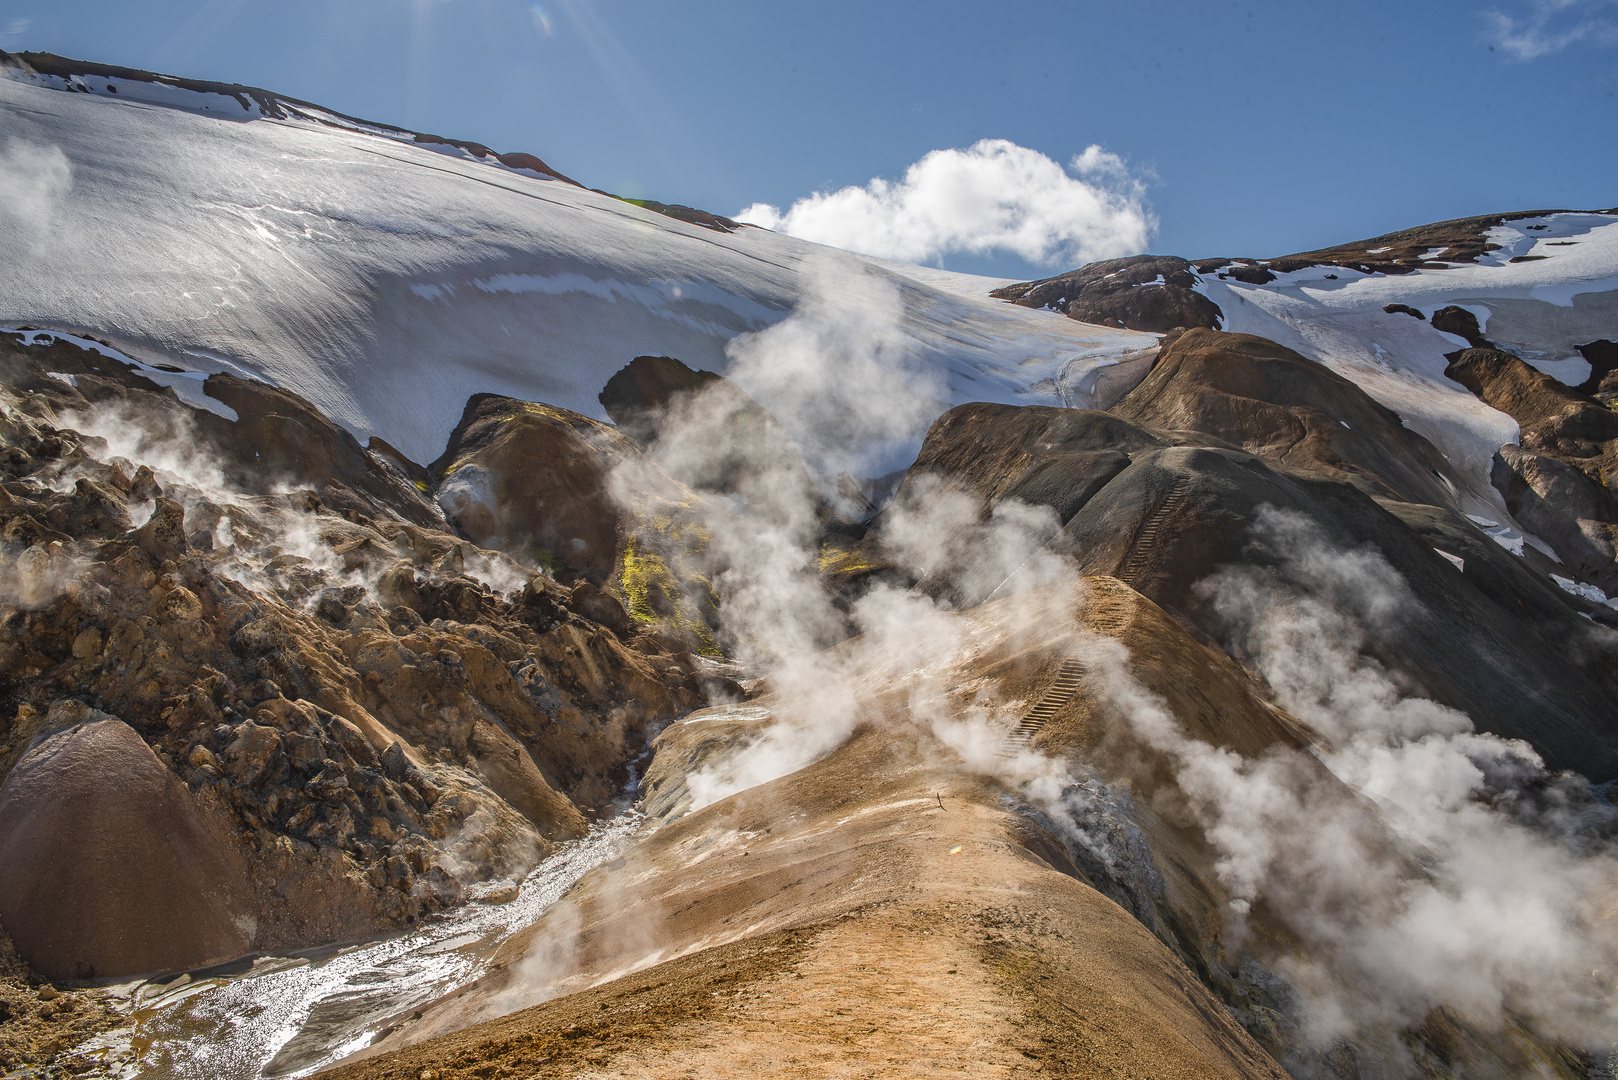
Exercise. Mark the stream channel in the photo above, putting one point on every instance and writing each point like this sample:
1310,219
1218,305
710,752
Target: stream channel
286,1017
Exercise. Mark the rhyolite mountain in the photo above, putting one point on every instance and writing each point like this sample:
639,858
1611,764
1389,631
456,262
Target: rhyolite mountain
379,513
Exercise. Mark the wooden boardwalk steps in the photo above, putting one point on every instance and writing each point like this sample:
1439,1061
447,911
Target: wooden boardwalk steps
1146,539
1059,694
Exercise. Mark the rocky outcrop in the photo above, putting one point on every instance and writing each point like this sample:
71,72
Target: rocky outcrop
580,498
1555,419
1461,323
1143,292
1561,505
110,868
278,440
1603,381
1178,515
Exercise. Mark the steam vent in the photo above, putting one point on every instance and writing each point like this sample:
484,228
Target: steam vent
456,624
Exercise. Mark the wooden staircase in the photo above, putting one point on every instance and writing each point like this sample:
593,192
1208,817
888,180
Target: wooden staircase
1056,696
1147,537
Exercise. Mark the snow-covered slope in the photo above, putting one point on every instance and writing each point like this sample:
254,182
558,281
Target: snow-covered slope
387,280
1565,294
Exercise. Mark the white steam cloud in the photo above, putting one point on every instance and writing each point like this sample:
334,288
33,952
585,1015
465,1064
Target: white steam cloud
994,196
34,180
840,377
840,374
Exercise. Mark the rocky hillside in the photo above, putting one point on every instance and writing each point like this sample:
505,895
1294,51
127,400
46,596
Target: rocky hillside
322,711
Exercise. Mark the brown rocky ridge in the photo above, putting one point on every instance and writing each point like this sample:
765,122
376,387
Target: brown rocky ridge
1156,293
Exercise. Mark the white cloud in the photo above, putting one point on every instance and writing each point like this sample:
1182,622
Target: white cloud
994,196
1553,25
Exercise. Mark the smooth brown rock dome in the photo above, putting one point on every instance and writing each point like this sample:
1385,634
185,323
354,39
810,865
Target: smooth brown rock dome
106,866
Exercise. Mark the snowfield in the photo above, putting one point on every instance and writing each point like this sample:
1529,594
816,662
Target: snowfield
387,281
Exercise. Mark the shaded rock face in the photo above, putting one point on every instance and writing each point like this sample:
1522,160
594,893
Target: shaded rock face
1561,505
1556,419
533,480
377,713
1534,672
1603,381
705,430
107,868
1144,292
1045,456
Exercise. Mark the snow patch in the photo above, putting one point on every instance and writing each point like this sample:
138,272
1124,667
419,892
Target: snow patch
1580,589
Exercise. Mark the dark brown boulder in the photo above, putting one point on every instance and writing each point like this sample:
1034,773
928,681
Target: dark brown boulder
1272,402
639,395
1603,381
1143,292
1462,323
107,868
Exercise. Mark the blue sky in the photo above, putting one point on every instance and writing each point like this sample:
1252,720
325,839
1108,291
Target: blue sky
1242,128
